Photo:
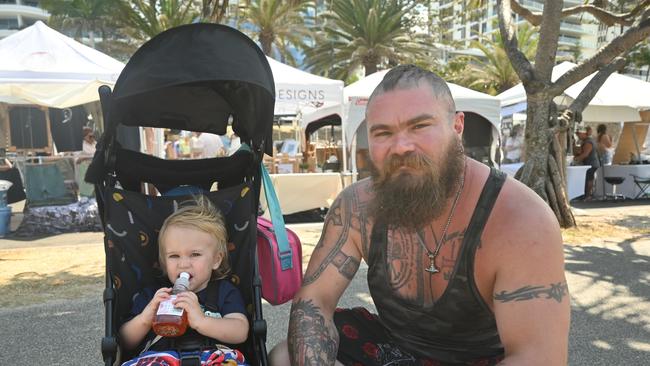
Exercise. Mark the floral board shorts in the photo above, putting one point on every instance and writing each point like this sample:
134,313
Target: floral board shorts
363,341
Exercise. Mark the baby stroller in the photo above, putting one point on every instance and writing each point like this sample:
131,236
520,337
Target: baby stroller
197,77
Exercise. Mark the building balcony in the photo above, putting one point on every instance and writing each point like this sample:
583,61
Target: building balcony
532,5
571,28
23,10
568,41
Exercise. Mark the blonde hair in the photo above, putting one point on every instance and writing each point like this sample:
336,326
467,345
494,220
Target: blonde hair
200,214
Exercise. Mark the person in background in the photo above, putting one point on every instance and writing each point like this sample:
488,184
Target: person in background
514,145
235,144
212,145
89,143
604,141
587,156
196,145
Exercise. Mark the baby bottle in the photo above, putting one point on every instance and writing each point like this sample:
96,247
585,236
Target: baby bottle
171,321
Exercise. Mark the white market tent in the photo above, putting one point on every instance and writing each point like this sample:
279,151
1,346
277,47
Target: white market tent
296,90
466,100
619,99
41,66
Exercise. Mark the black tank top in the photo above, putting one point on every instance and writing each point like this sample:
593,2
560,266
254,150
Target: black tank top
459,327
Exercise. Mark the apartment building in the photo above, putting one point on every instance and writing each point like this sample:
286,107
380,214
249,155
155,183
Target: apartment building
454,23
18,14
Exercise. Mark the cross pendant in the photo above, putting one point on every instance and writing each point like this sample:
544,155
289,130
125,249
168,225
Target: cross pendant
432,267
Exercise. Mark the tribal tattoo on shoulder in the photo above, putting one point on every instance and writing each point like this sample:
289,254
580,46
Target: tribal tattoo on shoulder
338,215
555,291
312,339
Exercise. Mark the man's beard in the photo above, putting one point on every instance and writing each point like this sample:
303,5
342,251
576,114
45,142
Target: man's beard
412,201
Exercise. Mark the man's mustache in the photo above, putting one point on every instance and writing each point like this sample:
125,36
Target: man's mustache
409,160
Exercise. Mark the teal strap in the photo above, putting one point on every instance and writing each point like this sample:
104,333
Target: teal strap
284,251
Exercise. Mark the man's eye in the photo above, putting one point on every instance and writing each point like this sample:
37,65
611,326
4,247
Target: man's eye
196,254
172,256
382,134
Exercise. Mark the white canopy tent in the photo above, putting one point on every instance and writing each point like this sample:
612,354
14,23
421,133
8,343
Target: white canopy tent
466,100
41,66
296,90
300,93
619,99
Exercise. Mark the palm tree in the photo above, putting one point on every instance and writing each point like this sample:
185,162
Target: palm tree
366,33
214,11
278,24
640,57
81,16
492,73
143,19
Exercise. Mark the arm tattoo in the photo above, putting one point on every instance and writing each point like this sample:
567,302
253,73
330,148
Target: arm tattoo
312,340
346,264
555,291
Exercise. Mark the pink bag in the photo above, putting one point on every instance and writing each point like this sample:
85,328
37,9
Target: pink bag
281,272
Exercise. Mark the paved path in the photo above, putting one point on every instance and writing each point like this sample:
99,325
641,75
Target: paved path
609,282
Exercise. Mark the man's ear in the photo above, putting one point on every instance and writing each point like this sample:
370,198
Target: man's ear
459,123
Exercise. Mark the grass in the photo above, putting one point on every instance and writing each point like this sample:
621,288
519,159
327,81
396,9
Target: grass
34,275
614,228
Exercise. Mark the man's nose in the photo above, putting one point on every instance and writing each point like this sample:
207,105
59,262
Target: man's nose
403,144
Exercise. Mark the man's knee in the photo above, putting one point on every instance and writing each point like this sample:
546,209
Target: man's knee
279,355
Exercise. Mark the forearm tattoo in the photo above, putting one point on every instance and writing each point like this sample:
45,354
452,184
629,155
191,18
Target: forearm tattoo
312,340
347,265
555,291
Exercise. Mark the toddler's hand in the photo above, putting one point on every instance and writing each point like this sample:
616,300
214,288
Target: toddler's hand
150,310
189,302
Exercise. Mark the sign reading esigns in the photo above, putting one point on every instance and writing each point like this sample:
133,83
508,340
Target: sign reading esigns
300,94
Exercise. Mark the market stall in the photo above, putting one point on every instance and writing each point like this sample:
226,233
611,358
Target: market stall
575,178
300,192
48,90
301,181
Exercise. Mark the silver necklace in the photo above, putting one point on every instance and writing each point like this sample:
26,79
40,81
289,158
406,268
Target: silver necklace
432,269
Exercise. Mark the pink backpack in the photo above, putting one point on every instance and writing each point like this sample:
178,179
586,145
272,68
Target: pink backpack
279,252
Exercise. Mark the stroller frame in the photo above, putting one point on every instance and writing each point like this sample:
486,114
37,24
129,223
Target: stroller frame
242,91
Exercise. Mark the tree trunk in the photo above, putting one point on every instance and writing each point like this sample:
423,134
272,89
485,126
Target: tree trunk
266,41
541,170
370,68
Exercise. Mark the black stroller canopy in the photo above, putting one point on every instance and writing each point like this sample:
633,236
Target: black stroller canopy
195,77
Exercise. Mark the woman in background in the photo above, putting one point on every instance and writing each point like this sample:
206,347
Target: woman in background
604,148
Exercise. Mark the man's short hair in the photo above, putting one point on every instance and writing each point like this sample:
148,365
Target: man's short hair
410,76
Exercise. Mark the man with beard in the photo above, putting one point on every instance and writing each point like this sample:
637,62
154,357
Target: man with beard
465,267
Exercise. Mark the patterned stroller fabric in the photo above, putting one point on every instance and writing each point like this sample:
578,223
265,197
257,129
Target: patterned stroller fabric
222,356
